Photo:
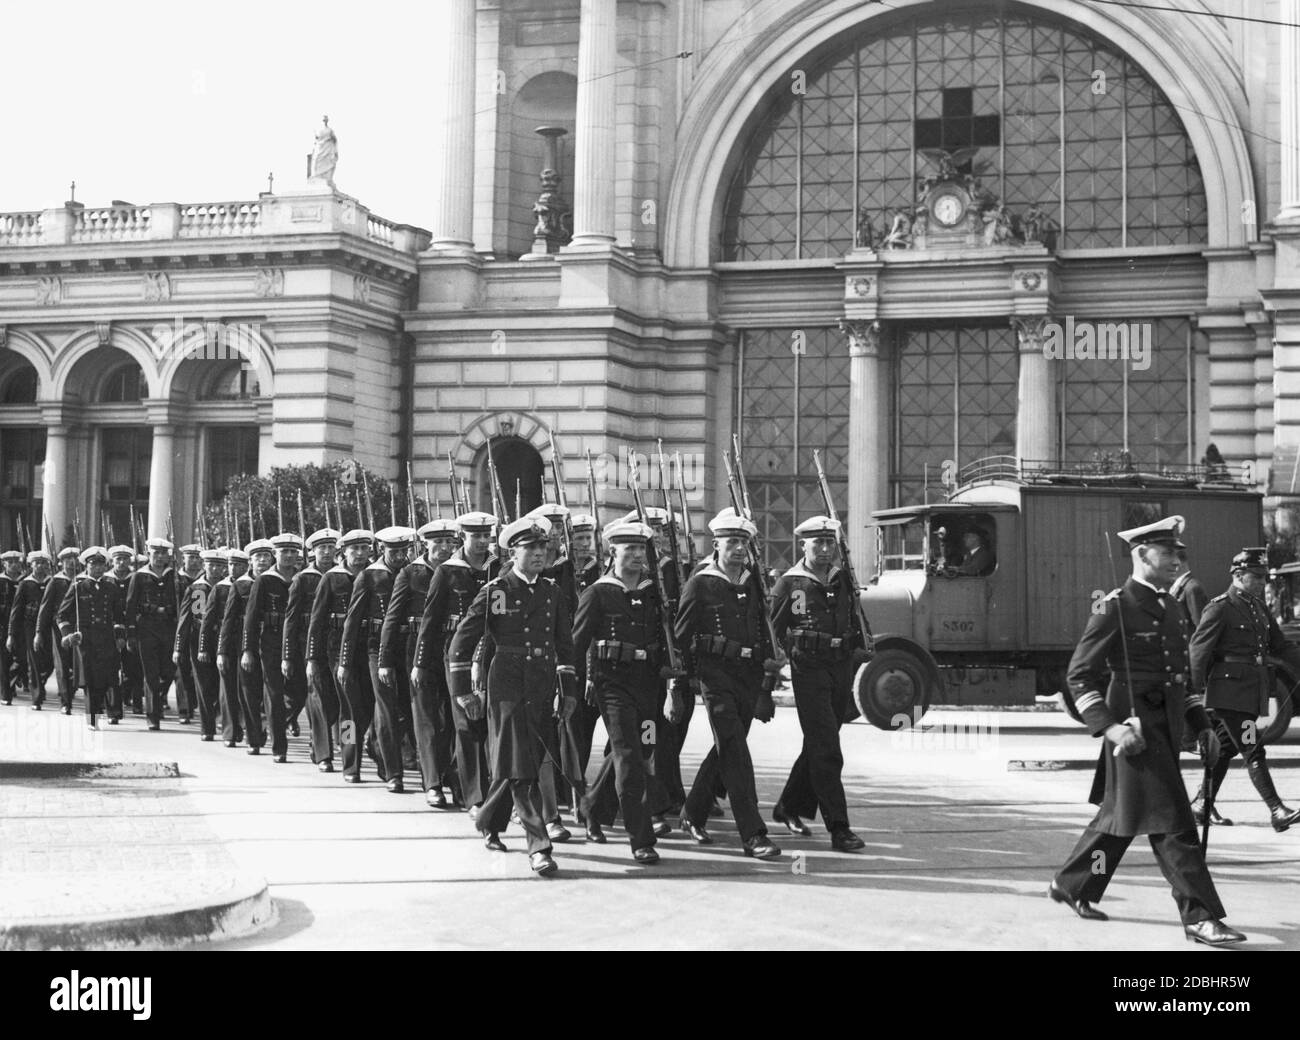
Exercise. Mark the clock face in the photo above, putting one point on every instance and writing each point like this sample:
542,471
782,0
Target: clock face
948,209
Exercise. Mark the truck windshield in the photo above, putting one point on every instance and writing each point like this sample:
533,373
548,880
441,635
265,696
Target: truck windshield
902,546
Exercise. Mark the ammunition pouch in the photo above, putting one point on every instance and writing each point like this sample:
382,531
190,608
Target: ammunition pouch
450,625
624,653
823,644
718,646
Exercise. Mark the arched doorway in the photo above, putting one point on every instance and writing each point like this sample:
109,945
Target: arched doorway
519,468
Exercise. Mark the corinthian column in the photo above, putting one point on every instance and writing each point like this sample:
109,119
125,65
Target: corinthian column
867,451
594,137
453,123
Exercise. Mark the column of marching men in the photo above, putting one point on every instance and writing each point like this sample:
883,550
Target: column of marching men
483,665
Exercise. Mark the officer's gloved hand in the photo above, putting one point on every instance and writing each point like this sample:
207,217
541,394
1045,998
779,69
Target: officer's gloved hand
203,654
39,642
121,646
246,662
286,668
1126,739
9,645
341,674
1207,743
764,707
472,705
591,694
421,677
176,655
388,676
73,639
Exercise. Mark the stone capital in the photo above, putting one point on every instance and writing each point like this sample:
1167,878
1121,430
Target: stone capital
864,337
1030,332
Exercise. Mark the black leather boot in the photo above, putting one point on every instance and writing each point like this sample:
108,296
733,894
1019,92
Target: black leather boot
1280,816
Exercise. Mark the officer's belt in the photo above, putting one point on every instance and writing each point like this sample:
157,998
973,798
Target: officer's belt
818,642
1243,659
718,646
1168,678
450,625
624,653
524,651
336,621
154,611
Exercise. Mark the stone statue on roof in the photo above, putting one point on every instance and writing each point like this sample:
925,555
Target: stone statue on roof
326,156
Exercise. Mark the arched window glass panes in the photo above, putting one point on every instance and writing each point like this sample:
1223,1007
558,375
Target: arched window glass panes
1060,119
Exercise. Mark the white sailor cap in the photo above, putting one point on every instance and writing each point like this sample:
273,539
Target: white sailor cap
729,524
236,556
475,522
121,550
395,535
38,554
158,543
325,536
553,512
818,527
191,548
94,552
212,555
69,550
582,522
630,532
357,536
527,530
11,554
1164,532
655,515
439,528
258,545
286,540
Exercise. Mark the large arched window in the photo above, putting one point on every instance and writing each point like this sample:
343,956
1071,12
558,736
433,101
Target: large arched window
123,384
1060,119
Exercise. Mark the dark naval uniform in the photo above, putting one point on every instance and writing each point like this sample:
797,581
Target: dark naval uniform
264,639
672,736
189,628
817,624
132,677
302,592
22,632
1191,596
96,609
232,729
722,633
430,707
326,703
617,631
1143,793
187,696
47,625
151,625
229,646
452,589
1229,661
520,634
12,665
362,629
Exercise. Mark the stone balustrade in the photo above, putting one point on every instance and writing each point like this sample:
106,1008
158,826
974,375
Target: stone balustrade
310,213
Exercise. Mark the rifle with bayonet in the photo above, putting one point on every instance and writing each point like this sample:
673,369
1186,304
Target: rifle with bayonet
566,529
691,555
860,613
592,508
674,552
740,497
498,496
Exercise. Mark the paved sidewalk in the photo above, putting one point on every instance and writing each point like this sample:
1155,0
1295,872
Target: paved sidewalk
959,851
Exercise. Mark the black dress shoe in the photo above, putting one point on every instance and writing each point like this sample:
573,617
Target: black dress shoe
351,778
1198,814
557,832
1212,933
155,725
255,751
1282,817
715,810
232,743
326,766
67,710
492,841
699,834
281,758
594,832
844,840
1080,906
435,798
660,827
36,707
114,722
646,854
792,822
395,786
186,719
761,847
207,738
542,864
294,729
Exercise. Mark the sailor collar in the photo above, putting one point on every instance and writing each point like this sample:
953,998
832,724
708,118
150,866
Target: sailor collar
713,570
610,579
802,570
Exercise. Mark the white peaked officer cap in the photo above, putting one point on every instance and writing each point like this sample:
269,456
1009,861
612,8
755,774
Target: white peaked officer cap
527,530
1163,532
475,522
395,535
729,524
818,527
621,532
325,536
438,529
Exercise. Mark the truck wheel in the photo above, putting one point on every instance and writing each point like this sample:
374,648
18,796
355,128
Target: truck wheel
892,690
1273,727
